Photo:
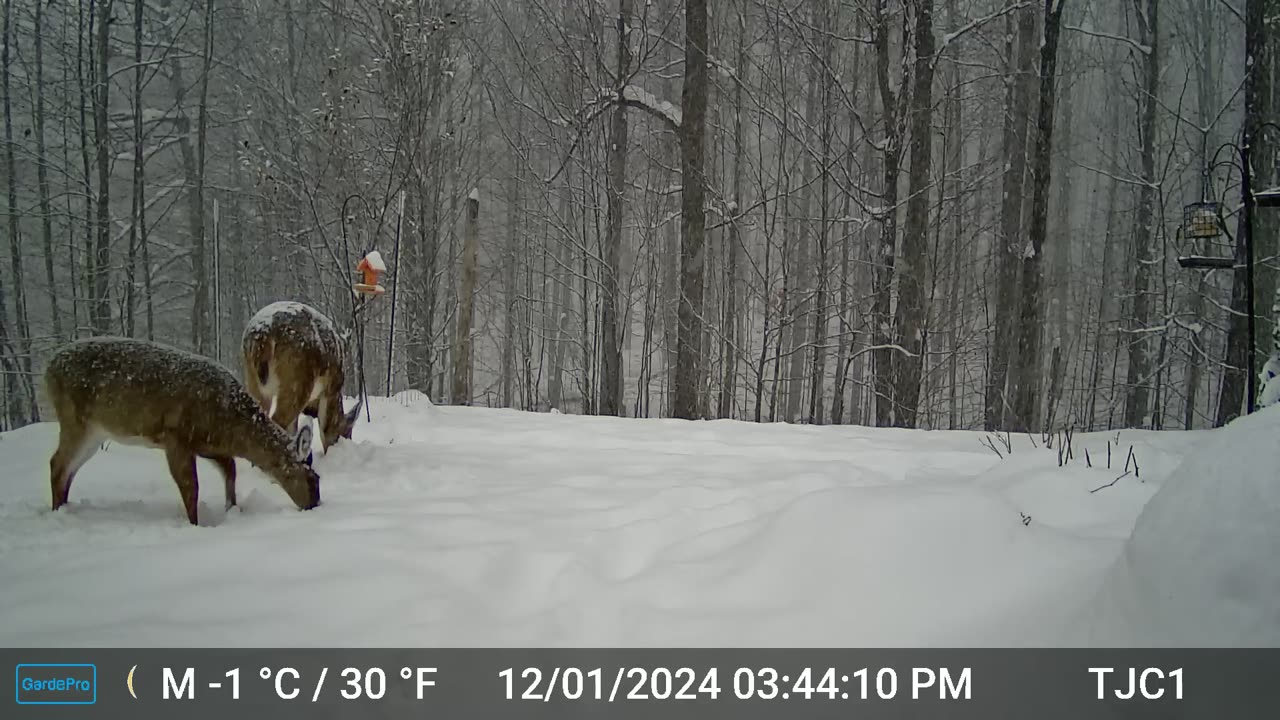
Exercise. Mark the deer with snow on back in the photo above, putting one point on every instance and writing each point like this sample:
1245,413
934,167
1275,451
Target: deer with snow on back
147,394
293,365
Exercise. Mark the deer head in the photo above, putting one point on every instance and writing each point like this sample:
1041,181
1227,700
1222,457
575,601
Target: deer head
338,424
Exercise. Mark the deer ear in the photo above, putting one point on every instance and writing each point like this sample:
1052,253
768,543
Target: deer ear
350,417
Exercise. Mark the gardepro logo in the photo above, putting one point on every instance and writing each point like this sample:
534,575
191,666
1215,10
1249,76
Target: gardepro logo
50,684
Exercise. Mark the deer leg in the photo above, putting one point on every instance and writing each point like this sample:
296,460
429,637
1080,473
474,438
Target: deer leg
182,466
288,414
322,415
288,407
75,446
227,466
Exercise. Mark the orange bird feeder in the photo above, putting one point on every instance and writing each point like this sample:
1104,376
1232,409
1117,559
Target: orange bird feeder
371,268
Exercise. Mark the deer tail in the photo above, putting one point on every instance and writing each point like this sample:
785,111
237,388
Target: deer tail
264,363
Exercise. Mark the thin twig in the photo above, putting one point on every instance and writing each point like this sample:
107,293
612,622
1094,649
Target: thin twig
1113,482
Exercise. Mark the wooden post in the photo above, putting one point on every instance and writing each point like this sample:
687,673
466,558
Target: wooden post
466,303
217,286
395,274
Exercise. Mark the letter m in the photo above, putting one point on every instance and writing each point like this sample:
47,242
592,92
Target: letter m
959,688
187,689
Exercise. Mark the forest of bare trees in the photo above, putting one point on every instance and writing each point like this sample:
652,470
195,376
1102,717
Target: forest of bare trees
918,213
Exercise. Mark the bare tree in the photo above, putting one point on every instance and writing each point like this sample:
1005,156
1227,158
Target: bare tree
693,107
1030,327
1137,402
911,274
1020,87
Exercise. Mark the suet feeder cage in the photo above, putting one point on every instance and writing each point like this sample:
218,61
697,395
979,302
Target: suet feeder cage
370,268
1201,220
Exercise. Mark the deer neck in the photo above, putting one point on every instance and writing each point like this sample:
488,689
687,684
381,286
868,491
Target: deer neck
268,448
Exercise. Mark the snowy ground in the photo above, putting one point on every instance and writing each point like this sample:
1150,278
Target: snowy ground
475,527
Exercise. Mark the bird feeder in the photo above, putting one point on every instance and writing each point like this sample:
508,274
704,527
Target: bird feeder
370,268
1201,220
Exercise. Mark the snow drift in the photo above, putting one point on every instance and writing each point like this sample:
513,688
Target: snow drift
1202,567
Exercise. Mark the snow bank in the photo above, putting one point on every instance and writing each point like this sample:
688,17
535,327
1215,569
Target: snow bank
1202,568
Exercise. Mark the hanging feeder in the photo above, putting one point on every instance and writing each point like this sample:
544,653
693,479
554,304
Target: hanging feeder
370,268
1202,220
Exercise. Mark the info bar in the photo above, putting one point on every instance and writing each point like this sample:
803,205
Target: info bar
631,684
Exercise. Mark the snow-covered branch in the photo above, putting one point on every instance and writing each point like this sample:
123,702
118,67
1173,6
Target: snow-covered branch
631,96
951,37
1144,49
638,97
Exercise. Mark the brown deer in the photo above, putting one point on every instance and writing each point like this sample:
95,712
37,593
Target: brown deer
293,359
147,394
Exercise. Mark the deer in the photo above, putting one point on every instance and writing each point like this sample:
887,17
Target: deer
293,365
147,394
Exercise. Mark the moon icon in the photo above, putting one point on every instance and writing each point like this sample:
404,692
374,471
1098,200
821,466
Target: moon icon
129,682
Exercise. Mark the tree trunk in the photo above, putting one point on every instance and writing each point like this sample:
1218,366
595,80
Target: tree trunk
822,20
1026,396
954,162
1138,396
200,325
22,326
799,264
1263,146
42,169
611,349
137,224
911,309
1010,248
510,290
693,104
729,349
883,260
843,343
102,140
461,394
87,96
560,304
1206,101
1106,299
73,276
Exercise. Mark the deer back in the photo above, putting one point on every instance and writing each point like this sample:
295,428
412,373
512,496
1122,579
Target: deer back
291,348
147,393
